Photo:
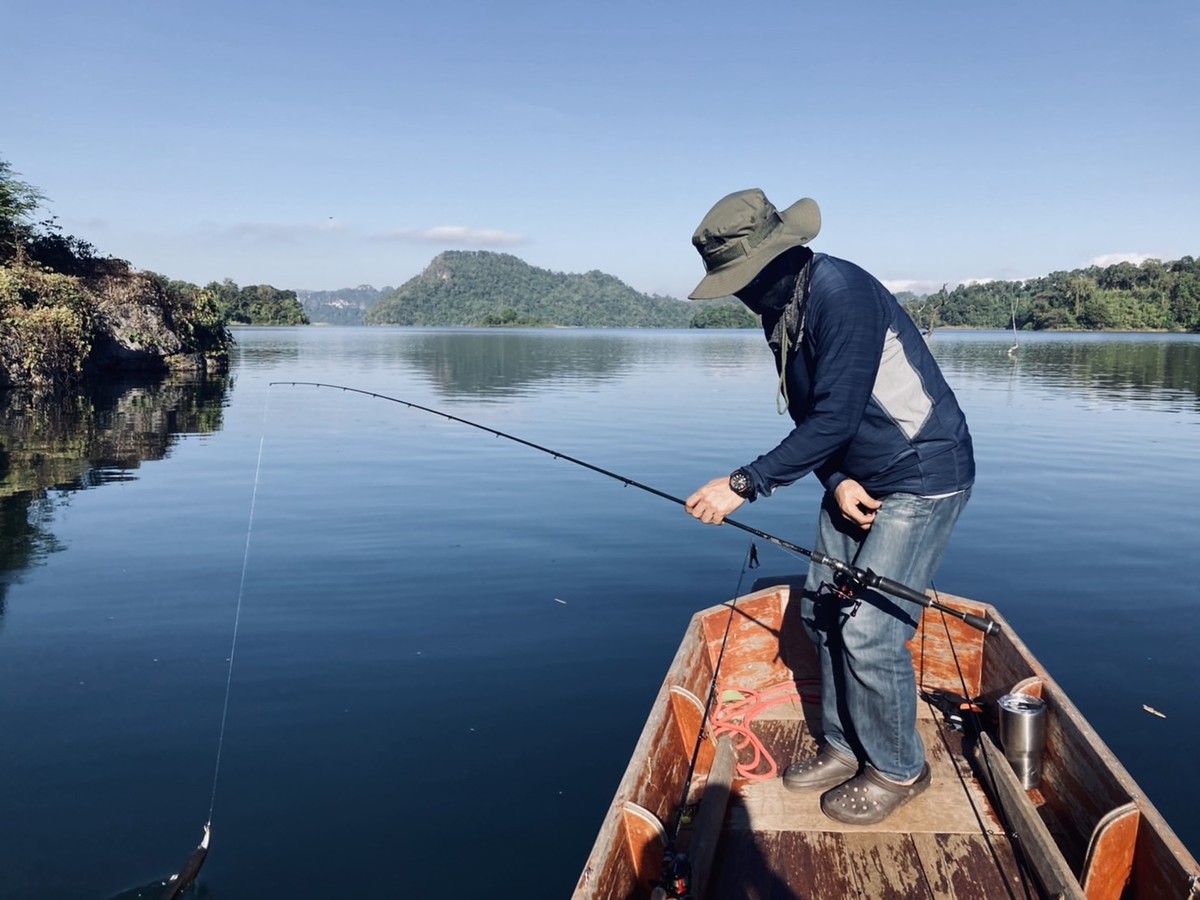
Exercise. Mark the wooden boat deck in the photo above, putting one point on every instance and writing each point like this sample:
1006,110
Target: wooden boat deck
1086,832
947,843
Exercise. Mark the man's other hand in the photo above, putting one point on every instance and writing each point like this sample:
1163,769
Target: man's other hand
856,504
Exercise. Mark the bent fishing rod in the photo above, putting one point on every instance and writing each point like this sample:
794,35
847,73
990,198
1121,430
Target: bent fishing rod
863,577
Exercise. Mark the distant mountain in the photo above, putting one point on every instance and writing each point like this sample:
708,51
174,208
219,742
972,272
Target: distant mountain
341,307
471,288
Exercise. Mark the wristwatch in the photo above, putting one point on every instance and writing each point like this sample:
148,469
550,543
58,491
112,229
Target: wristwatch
739,483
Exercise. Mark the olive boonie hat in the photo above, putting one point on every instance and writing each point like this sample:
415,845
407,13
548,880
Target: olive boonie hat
744,232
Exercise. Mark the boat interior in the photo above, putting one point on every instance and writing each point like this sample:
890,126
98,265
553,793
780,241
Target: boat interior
1084,830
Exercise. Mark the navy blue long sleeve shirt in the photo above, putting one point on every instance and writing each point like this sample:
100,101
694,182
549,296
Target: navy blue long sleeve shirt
868,400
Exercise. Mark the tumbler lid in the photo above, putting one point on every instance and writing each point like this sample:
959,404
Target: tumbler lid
1021,704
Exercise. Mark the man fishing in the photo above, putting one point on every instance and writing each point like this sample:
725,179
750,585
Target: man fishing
875,420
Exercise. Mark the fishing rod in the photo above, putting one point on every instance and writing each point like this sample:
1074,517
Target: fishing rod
862,577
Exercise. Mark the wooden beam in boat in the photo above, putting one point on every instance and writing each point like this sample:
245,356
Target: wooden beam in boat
1041,852
710,818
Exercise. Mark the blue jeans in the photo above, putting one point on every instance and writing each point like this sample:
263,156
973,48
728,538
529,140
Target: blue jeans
868,688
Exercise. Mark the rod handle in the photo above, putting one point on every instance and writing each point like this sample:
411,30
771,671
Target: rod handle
987,626
895,588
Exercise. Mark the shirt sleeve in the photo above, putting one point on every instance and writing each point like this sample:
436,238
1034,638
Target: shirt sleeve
847,324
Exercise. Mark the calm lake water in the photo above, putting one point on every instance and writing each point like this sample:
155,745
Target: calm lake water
448,642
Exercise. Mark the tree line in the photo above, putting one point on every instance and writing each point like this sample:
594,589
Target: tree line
256,304
1152,296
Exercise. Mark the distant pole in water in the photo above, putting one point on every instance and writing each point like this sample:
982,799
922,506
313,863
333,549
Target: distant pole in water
1016,344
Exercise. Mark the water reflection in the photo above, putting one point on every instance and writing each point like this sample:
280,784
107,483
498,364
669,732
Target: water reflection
79,441
1147,368
1150,369
490,364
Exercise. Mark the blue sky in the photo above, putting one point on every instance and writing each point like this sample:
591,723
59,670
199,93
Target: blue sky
325,145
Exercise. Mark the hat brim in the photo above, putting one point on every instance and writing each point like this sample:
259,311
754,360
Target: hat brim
801,223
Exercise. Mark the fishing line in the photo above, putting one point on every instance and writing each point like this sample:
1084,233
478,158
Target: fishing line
863,577
179,883
971,710
751,562
237,618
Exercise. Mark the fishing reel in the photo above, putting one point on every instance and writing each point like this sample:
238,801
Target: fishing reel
842,591
959,713
676,880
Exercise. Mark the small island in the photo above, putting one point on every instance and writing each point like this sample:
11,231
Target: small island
483,289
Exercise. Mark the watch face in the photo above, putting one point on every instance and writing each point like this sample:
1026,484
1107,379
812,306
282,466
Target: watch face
739,482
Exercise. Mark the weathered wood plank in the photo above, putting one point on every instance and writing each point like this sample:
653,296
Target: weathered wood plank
1109,860
887,866
1156,864
816,865
752,658
947,651
1041,852
687,711
954,802
748,868
706,834
971,867
645,840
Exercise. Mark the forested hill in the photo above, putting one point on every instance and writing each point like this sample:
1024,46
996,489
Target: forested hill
483,288
1155,295
341,307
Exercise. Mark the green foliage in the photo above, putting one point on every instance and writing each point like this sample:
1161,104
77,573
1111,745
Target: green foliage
1122,297
466,288
46,322
18,200
256,304
723,314
510,318
193,314
68,314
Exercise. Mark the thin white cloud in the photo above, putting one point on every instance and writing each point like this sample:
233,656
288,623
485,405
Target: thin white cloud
87,224
921,288
275,232
461,235
1111,259
899,285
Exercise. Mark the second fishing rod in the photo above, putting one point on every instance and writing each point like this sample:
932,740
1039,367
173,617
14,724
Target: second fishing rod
862,577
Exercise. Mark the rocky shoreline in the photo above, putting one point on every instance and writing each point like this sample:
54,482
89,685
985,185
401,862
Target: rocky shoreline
59,331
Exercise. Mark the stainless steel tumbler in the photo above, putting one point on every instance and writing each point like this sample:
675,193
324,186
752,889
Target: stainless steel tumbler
1023,735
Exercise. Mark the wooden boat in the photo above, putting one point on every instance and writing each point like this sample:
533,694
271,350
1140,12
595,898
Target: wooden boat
1086,830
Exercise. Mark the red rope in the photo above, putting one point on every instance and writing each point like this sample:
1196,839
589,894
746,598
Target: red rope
735,712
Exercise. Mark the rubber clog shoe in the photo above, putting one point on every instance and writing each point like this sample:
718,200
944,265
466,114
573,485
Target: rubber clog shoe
827,769
870,798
